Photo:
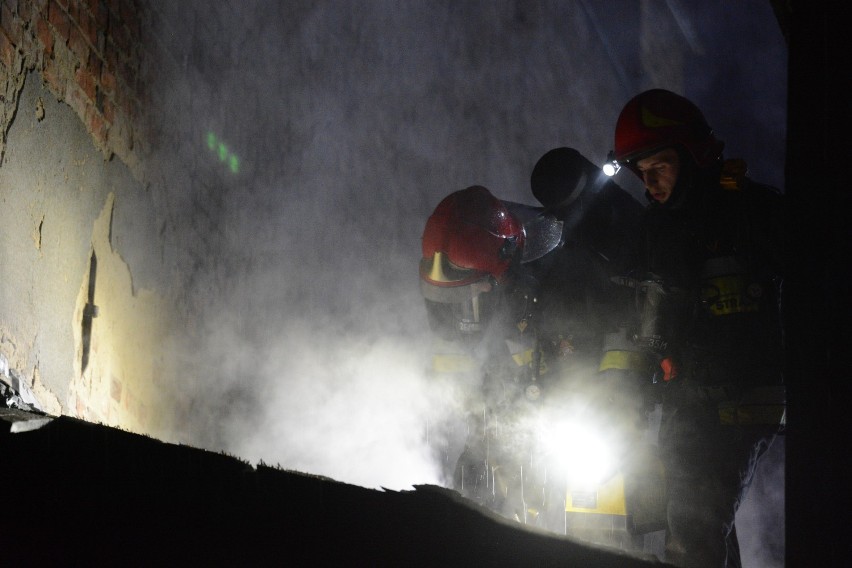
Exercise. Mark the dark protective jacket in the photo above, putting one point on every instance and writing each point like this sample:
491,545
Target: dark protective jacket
578,303
717,246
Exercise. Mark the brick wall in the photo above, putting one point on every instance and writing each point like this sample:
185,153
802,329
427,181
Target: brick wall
88,54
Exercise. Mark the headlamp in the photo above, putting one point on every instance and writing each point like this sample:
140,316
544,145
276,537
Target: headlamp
611,166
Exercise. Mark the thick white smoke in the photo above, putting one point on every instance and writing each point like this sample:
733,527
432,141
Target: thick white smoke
351,407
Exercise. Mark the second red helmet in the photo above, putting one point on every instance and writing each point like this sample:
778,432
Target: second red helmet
469,237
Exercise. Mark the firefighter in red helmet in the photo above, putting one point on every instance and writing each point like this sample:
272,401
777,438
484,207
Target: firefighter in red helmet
708,275
478,304
471,246
519,299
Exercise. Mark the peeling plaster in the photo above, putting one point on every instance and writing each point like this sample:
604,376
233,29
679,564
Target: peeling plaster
48,400
11,84
119,386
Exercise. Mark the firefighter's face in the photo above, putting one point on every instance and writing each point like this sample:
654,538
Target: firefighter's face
659,173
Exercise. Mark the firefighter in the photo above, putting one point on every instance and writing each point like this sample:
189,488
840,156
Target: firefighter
708,276
520,297
578,301
478,307
471,281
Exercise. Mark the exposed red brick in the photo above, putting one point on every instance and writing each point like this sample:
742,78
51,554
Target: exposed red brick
111,58
128,11
7,50
26,11
101,13
89,27
45,36
119,35
77,99
107,81
86,81
72,9
9,24
59,20
109,111
128,74
126,104
118,68
51,75
78,45
95,64
96,125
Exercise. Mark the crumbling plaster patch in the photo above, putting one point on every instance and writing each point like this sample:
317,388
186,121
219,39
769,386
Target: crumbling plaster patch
122,382
11,83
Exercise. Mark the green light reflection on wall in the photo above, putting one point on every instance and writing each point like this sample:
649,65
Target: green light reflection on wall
221,151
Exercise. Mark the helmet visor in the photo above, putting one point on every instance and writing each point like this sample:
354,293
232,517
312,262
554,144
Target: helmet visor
455,294
460,319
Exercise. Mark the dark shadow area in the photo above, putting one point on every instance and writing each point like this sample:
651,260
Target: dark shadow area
80,493
818,306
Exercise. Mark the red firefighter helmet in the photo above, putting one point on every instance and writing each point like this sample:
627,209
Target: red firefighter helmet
469,243
656,119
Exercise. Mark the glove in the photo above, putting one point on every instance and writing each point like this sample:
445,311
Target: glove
668,371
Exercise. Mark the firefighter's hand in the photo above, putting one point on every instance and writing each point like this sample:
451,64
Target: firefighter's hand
669,370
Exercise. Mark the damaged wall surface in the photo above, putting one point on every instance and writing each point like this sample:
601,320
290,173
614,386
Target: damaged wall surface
86,304
76,320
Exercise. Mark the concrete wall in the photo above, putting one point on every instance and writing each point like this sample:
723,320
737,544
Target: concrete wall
82,318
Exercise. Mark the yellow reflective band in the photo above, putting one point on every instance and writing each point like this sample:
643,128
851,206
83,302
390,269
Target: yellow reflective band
453,363
523,358
751,414
607,498
623,360
726,295
654,121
